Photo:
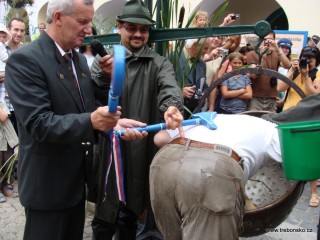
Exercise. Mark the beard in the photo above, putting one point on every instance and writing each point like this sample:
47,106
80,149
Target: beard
136,43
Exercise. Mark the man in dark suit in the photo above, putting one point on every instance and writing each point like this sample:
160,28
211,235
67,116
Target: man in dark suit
53,97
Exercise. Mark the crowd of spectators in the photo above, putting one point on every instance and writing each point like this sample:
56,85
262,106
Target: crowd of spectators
266,92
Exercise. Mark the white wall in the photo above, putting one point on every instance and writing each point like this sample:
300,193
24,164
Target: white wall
302,15
36,14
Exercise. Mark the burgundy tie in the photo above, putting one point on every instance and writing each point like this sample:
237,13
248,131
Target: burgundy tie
68,59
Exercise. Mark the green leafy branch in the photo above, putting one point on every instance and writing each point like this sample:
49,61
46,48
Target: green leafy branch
10,163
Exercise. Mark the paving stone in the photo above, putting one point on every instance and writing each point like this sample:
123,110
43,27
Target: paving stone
293,220
12,221
301,205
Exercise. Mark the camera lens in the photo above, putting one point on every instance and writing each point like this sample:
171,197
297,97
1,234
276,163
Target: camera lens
235,16
303,62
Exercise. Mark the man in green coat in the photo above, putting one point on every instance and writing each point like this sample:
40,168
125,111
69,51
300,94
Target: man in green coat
150,94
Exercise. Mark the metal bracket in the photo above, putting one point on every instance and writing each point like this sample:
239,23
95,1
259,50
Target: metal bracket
261,29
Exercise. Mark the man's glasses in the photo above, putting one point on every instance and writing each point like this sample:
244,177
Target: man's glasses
132,29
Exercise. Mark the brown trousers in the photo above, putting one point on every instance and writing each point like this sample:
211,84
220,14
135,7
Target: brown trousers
263,104
196,193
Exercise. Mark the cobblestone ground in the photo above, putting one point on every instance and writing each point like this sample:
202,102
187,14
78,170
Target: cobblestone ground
12,220
302,217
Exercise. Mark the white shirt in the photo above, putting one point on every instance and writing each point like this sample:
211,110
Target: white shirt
90,59
2,66
254,139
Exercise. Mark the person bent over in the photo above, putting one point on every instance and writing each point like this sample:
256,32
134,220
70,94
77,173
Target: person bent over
197,183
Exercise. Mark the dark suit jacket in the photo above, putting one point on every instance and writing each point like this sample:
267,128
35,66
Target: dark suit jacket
55,131
193,76
308,109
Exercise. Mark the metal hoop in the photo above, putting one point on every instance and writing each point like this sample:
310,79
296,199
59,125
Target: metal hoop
117,77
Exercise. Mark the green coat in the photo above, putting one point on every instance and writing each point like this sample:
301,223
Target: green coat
149,89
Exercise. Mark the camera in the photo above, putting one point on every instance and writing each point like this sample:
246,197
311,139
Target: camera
198,94
303,62
235,17
266,43
224,52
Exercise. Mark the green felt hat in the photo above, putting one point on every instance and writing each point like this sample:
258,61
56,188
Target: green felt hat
135,11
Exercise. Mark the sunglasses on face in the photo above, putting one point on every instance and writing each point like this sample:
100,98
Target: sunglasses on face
315,40
308,57
132,29
310,49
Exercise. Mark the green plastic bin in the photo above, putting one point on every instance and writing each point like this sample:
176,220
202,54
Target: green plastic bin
300,148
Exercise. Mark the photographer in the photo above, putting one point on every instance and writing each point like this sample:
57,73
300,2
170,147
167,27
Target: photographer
193,72
264,86
305,74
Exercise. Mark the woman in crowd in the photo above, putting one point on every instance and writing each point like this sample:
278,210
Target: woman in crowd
305,74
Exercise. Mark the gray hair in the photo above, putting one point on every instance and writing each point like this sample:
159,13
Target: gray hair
65,6
251,40
195,41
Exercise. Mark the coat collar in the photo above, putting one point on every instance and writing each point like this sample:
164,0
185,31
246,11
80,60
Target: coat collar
145,52
58,54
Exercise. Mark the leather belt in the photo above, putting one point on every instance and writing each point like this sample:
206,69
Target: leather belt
192,143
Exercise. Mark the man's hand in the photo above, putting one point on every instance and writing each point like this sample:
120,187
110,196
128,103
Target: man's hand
188,92
263,48
227,20
129,134
3,115
106,65
103,120
174,118
272,45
